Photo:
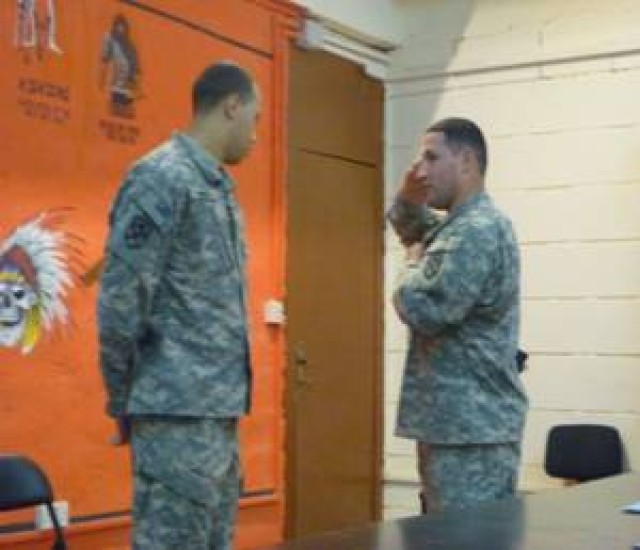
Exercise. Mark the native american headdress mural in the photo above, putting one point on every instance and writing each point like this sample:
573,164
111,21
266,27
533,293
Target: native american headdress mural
35,277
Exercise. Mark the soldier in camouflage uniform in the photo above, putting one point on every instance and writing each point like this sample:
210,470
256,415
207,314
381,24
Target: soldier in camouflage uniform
172,320
461,398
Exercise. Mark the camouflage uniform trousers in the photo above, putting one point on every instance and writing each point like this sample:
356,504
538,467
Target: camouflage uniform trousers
186,483
464,475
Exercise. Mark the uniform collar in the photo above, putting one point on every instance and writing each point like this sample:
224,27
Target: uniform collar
210,166
471,202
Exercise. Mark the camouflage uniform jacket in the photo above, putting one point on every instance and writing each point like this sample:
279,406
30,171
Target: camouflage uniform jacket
172,307
461,304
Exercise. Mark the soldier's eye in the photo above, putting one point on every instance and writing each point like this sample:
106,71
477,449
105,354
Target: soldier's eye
18,293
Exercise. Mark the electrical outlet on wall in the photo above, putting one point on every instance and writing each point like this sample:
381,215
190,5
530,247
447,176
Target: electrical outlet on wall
274,312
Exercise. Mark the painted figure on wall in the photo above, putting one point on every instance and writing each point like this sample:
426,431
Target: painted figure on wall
120,59
36,25
35,277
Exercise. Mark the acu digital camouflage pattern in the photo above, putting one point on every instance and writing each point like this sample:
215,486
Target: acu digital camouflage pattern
461,304
174,345
456,476
186,483
172,307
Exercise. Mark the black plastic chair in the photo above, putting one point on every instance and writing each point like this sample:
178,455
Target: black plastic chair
583,452
23,484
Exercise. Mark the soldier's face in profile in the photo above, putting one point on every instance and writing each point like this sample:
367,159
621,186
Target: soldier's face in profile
439,169
243,136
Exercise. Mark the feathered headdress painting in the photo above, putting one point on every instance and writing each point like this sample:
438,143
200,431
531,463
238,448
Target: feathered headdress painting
35,277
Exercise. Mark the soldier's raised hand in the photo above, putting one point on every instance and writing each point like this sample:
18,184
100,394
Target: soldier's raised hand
413,187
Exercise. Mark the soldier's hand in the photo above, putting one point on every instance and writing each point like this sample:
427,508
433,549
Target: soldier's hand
415,252
123,432
397,305
413,188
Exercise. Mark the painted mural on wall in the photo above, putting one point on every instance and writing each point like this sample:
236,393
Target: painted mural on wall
36,26
88,87
36,274
121,66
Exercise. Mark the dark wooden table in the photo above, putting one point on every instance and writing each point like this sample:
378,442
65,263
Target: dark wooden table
584,517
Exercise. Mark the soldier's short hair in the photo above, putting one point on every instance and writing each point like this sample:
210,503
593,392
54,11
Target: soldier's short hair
218,82
460,132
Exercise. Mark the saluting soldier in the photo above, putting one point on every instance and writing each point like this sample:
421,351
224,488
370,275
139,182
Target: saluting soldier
459,293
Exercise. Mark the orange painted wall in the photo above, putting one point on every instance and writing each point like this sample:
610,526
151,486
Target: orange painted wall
64,148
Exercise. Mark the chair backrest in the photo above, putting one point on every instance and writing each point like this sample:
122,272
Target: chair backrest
583,452
22,484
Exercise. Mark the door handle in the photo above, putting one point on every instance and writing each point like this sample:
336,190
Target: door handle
300,355
301,363
301,376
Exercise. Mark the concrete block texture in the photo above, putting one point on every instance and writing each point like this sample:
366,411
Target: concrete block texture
554,85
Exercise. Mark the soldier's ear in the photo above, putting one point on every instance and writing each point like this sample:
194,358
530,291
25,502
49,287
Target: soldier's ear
468,160
232,105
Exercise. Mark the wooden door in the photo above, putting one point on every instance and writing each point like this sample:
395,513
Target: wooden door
334,300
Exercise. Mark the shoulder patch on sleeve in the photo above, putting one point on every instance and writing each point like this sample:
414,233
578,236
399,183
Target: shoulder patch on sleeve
156,207
434,262
138,230
435,256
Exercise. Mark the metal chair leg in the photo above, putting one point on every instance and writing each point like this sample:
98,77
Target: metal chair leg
58,543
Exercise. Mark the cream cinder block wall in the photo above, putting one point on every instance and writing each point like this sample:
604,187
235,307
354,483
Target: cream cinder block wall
556,87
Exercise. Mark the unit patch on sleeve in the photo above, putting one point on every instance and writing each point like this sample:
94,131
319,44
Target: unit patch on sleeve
434,263
138,231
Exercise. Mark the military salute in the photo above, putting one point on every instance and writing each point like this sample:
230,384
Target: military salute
461,397
173,321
